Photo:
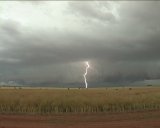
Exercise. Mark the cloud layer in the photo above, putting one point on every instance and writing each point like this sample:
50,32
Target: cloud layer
119,39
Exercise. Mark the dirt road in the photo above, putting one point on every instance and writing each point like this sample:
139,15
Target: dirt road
149,119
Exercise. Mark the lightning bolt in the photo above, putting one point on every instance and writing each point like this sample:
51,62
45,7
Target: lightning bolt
85,74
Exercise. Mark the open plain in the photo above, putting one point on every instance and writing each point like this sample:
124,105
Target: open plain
80,108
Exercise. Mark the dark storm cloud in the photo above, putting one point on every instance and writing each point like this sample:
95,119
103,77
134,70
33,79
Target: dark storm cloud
121,49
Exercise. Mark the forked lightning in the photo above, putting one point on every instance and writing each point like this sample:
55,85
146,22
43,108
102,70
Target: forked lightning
85,74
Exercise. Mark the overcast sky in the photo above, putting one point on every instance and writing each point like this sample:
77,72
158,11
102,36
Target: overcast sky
49,41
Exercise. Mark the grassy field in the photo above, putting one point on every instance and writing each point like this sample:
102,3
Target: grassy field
48,101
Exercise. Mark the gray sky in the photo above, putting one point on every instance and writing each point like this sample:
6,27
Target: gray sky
49,41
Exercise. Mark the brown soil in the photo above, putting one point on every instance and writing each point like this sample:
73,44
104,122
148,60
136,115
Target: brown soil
147,119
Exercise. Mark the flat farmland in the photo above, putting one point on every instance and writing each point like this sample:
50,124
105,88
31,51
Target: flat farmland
80,108
95,100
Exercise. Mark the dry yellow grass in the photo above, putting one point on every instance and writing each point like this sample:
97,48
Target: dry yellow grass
78,100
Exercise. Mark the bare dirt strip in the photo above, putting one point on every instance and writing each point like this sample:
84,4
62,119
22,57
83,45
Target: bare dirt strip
146,119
